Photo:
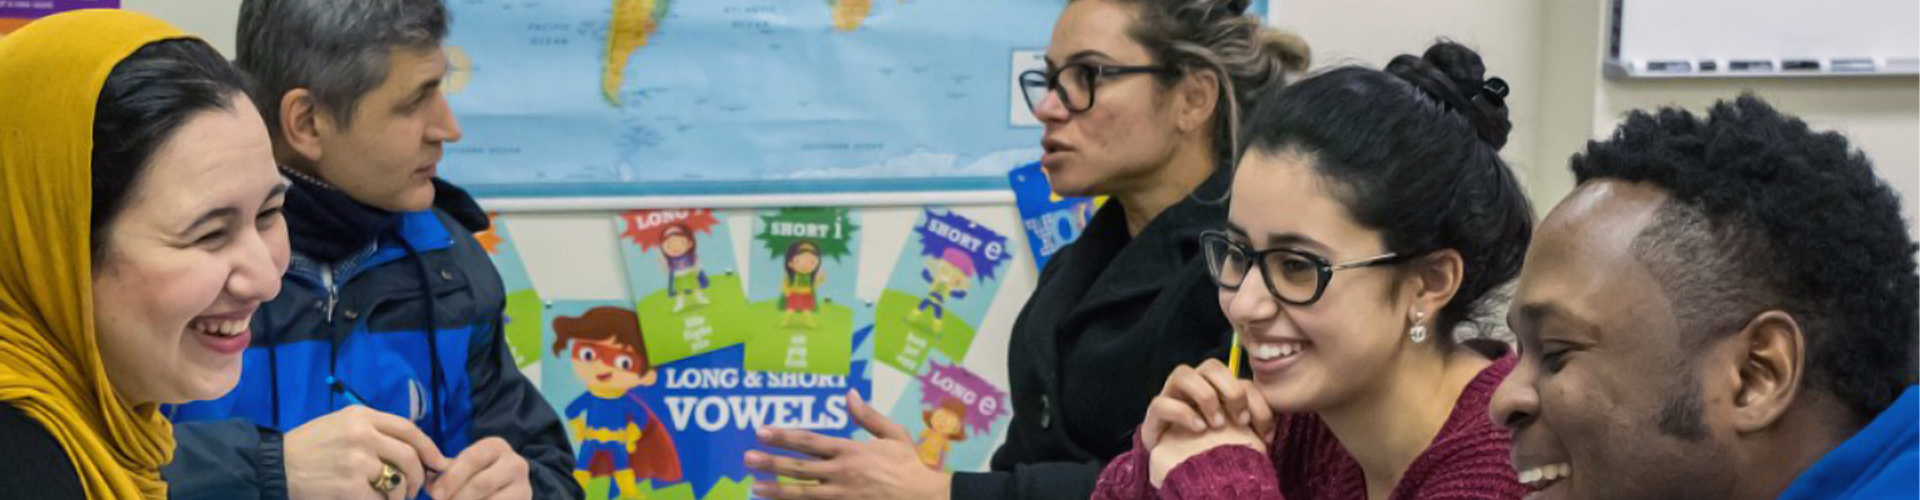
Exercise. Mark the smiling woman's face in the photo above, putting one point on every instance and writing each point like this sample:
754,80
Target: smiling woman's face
195,249
1312,357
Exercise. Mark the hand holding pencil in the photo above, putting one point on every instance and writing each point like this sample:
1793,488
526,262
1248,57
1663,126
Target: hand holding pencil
1207,399
1202,408
1233,356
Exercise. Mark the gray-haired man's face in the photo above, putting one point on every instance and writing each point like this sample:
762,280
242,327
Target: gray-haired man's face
390,154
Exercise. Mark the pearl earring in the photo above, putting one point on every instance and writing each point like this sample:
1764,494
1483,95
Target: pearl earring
1419,331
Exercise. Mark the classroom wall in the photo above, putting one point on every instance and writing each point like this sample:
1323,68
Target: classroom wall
1371,32
1879,114
1551,52
213,20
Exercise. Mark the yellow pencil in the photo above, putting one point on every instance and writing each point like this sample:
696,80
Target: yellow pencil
1233,356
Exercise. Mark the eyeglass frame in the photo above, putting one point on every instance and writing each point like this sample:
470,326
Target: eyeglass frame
1098,72
1324,269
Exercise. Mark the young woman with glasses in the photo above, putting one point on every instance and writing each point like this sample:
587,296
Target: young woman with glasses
1368,217
1139,103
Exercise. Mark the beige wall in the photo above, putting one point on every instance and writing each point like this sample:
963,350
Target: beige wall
1572,39
1550,50
211,19
1880,115
1371,32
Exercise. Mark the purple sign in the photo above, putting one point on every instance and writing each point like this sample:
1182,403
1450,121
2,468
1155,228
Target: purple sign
947,385
35,9
978,251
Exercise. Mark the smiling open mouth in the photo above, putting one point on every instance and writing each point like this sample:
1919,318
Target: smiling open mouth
220,328
1275,350
1539,478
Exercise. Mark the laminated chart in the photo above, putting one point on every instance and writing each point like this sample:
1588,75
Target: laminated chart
804,267
680,268
946,277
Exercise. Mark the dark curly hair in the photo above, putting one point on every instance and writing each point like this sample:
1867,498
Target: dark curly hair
1413,152
1766,213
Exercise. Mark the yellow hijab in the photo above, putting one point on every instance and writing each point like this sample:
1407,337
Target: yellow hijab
51,72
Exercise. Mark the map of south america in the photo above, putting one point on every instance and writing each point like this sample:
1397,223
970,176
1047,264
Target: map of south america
627,31
847,14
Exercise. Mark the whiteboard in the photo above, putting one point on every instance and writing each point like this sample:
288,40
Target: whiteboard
1706,38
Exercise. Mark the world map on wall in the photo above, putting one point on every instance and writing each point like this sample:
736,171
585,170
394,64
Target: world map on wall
649,96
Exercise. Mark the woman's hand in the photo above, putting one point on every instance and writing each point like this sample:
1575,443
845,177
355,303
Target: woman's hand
1200,409
887,467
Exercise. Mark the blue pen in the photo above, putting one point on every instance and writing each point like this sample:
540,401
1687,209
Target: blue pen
353,398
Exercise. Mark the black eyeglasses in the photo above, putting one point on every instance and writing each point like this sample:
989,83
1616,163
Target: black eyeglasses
1293,276
1074,83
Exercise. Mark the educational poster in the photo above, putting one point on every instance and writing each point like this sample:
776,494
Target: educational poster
1050,220
680,267
953,415
522,317
17,13
595,374
941,287
804,263
700,415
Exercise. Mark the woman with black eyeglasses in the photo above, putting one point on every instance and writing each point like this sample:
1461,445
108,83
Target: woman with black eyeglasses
1139,103
1368,217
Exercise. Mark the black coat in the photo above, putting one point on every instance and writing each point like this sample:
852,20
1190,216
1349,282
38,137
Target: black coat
35,464
1112,316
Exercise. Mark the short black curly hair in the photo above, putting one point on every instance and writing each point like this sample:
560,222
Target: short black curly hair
1766,213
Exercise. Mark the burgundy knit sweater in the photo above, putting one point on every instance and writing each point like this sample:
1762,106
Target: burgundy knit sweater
1468,460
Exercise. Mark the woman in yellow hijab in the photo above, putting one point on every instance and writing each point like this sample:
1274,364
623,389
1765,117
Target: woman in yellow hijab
139,230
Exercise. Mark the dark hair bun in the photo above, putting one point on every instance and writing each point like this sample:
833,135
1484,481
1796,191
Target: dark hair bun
1455,76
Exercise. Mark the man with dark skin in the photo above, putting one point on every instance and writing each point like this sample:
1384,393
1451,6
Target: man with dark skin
1723,308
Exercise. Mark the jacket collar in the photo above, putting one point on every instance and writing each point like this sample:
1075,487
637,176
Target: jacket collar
328,227
325,224
1167,242
1112,267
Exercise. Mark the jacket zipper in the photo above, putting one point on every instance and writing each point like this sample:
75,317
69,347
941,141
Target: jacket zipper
333,293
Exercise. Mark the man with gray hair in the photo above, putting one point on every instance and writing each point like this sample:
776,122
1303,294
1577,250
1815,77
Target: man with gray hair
380,371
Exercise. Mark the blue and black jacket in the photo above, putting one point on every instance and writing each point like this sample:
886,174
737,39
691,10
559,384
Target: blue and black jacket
410,322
